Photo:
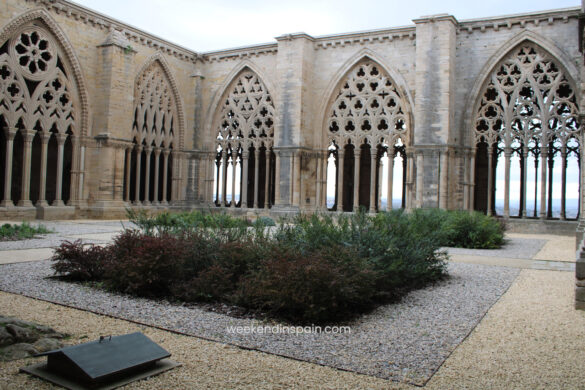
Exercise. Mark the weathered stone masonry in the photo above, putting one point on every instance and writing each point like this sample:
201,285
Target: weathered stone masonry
136,121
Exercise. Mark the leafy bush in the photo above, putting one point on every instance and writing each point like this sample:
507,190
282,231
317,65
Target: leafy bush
264,221
21,232
473,230
325,285
81,262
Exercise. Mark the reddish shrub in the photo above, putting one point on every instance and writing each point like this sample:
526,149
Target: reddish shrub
146,265
77,261
322,286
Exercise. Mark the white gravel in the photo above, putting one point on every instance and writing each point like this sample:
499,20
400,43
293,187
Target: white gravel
405,341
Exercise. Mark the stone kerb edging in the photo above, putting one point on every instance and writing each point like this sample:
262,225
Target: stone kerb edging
580,278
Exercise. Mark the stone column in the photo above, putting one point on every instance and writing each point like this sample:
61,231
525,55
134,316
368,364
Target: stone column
165,176
380,171
356,178
156,174
444,180
137,179
28,136
490,180
61,149
244,180
507,155
7,201
563,182
224,161
128,174
471,181
319,181
340,180
296,190
43,185
277,179
419,179
524,180
146,202
234,163
256,174
267,181
543,166
373,166
390,177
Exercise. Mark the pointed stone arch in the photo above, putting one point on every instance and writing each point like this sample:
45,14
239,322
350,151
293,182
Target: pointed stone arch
158,136
367,120
243,126
50,111
525,109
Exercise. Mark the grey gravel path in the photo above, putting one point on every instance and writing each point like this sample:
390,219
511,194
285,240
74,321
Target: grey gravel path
405,341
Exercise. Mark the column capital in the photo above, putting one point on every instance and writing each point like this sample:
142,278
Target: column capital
61,137
138,148
157,150
28,135
148,149
45,136
10,132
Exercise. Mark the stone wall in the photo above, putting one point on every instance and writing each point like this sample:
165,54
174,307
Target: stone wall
439,65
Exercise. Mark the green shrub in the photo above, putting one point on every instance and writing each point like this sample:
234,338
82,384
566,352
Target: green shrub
473,230
22,231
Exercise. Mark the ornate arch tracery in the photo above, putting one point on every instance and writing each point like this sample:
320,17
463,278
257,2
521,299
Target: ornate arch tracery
245,137
527,108
367,112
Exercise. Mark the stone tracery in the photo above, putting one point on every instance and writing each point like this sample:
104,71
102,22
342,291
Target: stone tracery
527,110
245,137
38,109
367,117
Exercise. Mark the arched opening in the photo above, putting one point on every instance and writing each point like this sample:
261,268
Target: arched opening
367,110
245,131
526,134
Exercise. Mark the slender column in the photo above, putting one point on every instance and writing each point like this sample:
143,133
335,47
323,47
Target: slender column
543,162
563,182
296,200
535,184
224,178
256,174
319,181
43,186
551,162
443,179
244,180
490,198
217,199
419,180
165,175
234,163
507,155
340,180
146,202
373,167
7,201
471,181
524,180
390,177
466,180
277,199
356,178
156,174
74,195
61,151
24,201
380,171
137,178
267,181
128,172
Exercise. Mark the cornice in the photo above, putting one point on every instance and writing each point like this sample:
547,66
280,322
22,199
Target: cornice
103,22
365,37
239,53
522,20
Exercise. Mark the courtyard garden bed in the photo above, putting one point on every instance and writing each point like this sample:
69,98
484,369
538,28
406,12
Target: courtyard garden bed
11,232
309,269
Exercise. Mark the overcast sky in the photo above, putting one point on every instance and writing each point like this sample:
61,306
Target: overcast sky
207,25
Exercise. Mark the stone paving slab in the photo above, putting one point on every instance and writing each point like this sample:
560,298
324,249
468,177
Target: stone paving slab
514,263
19,256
